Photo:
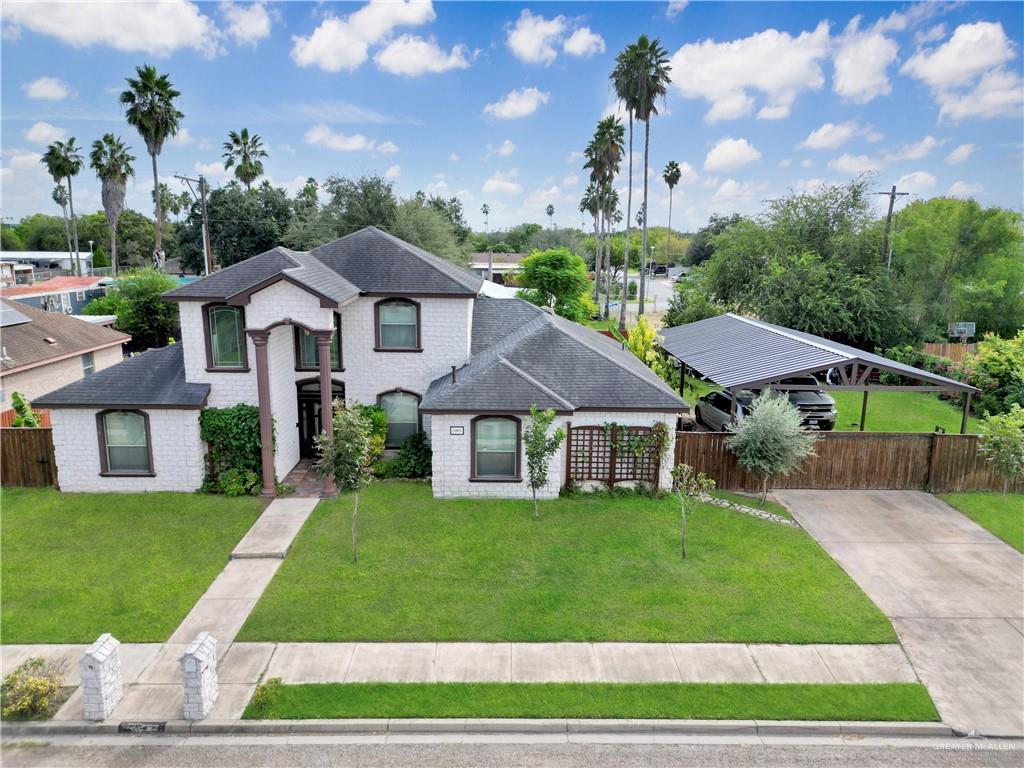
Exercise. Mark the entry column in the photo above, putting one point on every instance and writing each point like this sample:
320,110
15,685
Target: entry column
323,350
259,341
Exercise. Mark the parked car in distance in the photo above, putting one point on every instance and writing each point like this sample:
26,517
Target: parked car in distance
714,410
818,410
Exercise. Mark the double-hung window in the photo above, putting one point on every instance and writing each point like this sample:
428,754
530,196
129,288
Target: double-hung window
88,364
307,355
403,412
124,443
398,325
496,448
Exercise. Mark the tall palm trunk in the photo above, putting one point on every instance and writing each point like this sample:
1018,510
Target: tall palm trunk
629,219
668,245
157,249
74,229
112,226
608,280
597,258
641,294
67,233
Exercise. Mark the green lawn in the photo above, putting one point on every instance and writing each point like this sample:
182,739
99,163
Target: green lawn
75,565
1003,515
736,701
594,568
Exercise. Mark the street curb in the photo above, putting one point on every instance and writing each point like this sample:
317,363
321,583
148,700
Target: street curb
486,726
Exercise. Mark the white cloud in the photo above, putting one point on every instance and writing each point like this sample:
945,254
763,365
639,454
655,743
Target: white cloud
729,154
930,35
807,185
414,56
182,138
917,182
785,163
574,156
806,163
961,154
862,59
518,103
44,133
47,88
503,183
687,174
454,157
21,160
571,180
214,170
774,63
915,151
854,164
830,135
675,7
615,108
504,149
439,186
344,43
158,29
998,94
393,172
533,38
965,189
874,136
732,191
322,136
584,42
247,23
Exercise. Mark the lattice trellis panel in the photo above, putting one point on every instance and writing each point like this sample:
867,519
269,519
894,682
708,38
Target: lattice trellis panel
612,454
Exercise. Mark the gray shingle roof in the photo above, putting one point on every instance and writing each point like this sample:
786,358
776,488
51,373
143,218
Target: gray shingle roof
735,351
545,360
44,336
154,379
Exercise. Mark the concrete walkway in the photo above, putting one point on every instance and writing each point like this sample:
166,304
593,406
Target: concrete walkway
954,593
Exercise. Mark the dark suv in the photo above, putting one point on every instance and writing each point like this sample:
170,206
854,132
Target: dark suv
817,408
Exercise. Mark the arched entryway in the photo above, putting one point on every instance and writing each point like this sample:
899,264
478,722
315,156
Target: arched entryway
310,423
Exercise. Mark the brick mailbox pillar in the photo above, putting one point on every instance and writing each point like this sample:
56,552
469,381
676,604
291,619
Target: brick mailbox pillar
199,676
100,671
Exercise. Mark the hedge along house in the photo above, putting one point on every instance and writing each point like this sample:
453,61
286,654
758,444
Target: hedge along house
383,322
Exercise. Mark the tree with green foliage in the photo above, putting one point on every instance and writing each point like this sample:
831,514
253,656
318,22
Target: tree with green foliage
690,303
556,278
59,195
24,414
688,484
451,209
423,225
112,162
603,155
701,247
671,176
546,239
137,301
550,213
643,341
10,240
347,457
149,107
363,202
245,154
1002,443
769,440
540,447
63,161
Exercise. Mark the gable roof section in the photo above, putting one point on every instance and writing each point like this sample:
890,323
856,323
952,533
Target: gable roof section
154,379
736,351
545,360
25,344
60,284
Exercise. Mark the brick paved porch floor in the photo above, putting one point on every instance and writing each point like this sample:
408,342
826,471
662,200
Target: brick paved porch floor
308,484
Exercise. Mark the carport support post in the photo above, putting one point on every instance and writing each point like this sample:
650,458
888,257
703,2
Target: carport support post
967,409
259,341
863,410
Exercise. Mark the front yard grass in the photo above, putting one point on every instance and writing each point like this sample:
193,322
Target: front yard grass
1002,515
594,568
75,565
732,701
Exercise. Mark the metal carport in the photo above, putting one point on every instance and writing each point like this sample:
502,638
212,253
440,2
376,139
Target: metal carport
741,353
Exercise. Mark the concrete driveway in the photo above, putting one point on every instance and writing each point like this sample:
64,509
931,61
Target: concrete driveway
954,593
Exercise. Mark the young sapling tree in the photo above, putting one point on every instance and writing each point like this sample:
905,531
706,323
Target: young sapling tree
688,484
540,447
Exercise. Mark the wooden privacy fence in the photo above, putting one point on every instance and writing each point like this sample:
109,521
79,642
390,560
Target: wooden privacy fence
955,352
26,457
7,418
857,461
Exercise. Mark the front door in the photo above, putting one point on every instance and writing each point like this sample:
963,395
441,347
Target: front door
310,424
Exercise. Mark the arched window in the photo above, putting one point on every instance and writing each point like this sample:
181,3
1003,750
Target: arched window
397,325
307,358
495,445
225,338
403,412
125,447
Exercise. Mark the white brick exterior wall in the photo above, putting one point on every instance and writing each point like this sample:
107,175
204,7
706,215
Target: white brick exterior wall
226,389
285,300
46,378
283,402
177,452
452,459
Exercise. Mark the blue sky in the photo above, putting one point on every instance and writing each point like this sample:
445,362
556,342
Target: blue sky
493,101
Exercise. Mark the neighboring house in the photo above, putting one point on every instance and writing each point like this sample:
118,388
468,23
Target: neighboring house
14,274
50,260
386,323
42,351
67,294
500,264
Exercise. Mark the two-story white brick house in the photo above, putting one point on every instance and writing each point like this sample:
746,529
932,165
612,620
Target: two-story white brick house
384,322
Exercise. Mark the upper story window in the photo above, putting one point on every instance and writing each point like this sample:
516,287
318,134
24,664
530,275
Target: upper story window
403,412
88,364
225,338
124,443
496,448
307,358
398,325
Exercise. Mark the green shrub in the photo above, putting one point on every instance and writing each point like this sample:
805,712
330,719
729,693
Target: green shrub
33,689
413,459
232,436
239,482
264,693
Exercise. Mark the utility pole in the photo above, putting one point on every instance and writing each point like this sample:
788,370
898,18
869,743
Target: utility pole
485,209
892,194
201,198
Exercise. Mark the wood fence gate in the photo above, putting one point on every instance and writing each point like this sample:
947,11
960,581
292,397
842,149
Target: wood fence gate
857,461
26,457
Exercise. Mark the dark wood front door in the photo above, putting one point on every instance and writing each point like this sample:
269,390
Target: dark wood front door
310,424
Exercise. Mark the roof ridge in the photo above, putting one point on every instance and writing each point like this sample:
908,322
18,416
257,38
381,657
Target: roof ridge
773,329
419,254
527,377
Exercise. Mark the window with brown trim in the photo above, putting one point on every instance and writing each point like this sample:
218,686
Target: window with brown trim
403,411
126,448
397,325
307,356
495,444
224,334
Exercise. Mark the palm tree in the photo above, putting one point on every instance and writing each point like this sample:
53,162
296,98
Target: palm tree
245,154
591,203
112,162
485,209
64,160
671,175
623,78
149,108
550,211
643,79
60,197
603,158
